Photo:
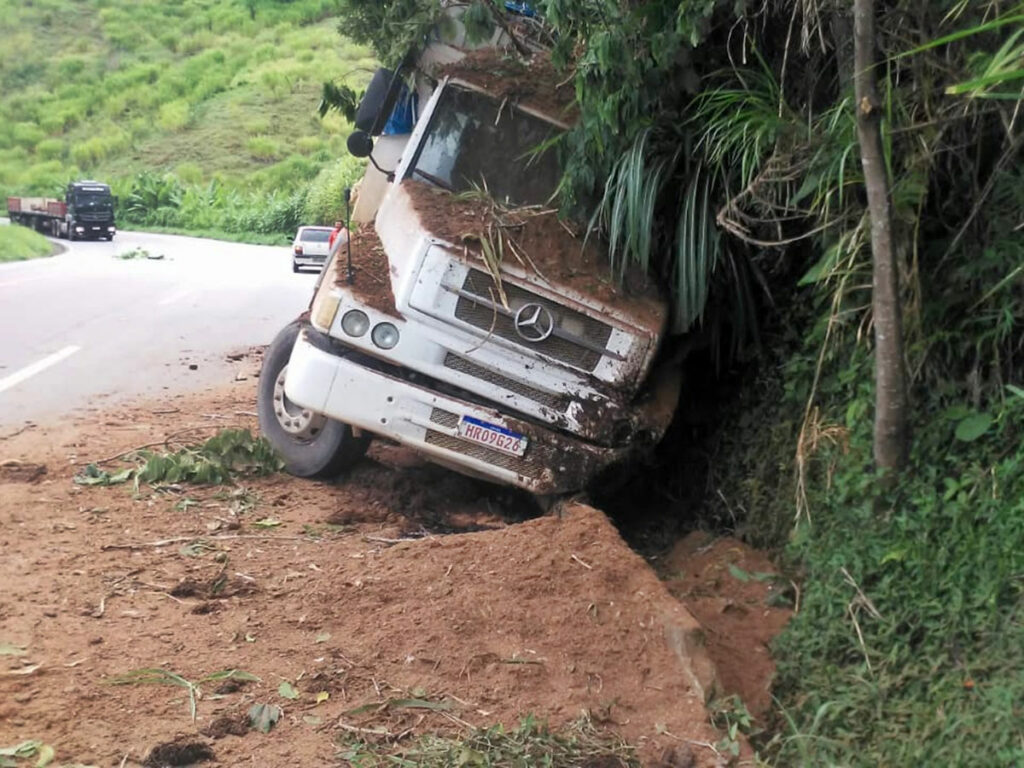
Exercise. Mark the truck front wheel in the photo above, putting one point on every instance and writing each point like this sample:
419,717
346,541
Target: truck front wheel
310,444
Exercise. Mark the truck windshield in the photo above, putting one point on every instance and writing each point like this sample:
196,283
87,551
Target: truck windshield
475,141
99,200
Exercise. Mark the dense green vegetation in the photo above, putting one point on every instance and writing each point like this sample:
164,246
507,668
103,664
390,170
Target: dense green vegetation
720,139
20,243
202,116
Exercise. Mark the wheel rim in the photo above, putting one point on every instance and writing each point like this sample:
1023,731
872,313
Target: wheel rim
300,423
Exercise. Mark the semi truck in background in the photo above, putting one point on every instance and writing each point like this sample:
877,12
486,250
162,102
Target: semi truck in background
86,212
464,319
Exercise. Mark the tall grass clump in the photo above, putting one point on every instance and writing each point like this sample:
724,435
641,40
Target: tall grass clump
19,243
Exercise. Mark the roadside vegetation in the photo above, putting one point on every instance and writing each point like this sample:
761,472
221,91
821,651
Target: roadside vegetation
742,190
201,117
20,243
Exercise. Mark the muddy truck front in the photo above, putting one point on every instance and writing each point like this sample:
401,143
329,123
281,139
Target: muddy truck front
470,323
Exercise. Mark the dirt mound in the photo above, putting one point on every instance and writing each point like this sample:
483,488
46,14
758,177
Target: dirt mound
555,616
742,603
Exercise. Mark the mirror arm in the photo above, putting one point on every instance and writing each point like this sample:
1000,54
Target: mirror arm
389,174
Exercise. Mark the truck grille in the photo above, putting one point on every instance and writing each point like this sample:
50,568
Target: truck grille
522,465
462,365
482,315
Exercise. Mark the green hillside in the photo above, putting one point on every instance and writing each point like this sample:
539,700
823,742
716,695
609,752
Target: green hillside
200,114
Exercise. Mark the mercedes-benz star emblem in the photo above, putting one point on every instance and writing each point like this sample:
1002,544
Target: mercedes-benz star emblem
534,323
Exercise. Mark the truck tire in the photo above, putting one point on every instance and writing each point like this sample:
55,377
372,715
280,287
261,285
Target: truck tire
311,445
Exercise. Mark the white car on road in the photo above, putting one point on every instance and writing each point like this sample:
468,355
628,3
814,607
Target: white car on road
310,247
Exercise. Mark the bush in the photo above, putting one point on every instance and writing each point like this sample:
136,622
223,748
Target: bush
189,173
49,149
262,148
325,199
27,134
174,115
99,147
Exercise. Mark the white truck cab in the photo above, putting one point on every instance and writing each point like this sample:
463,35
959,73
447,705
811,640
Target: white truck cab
472,326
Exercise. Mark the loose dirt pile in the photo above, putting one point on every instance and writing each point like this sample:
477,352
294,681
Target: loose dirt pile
742,603
552,250
533,83
371,273
353,629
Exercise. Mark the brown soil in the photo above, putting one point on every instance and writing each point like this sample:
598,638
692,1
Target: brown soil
320,585
21,471
551,250
735,592
183,751
371,271
228,725
534,83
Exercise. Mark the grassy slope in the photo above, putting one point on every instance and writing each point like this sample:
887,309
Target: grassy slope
109,88
20,243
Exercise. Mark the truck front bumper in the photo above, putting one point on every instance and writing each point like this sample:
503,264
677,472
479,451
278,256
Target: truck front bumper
384,403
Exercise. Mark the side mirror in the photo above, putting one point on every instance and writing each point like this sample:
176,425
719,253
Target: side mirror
360,144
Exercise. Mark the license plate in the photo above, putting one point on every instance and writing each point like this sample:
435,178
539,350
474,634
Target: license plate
493,436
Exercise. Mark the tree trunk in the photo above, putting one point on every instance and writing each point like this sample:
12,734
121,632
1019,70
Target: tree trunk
890,446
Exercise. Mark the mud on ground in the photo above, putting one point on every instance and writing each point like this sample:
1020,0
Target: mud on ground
358,595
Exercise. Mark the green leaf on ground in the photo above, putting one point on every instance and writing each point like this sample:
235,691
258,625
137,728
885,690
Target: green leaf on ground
7,649
267,522
262,717
93,475
323,637
739,573
46,756
287,690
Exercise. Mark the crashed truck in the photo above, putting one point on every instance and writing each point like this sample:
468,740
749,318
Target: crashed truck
464,319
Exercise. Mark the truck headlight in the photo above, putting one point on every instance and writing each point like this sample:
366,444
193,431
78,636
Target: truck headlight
385,335
355,323
326,299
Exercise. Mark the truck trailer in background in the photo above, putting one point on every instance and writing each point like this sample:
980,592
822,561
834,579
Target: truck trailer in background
86,212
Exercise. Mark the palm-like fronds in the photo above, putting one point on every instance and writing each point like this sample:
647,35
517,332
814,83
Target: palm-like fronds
641,184
741,126
696,253
626,210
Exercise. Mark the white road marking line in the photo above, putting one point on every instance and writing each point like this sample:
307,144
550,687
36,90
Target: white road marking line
37,367
174,297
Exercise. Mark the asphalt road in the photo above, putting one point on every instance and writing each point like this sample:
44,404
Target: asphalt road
87,328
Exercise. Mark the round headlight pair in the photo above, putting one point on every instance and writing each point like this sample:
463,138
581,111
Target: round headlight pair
356,323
